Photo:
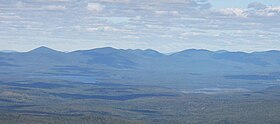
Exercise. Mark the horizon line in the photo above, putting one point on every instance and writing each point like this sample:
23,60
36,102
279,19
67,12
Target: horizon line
167,53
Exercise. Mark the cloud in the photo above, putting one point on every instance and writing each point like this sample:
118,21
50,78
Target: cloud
268,11
136,18
116,1
95,7
105,28
254,10
236,12
257,5
166,12
9,16
20,4
157,22
54,8
59,0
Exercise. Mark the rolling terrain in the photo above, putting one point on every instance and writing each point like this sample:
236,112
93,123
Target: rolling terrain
108,85
189,69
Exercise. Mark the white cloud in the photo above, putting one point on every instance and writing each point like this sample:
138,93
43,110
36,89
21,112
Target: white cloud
116,1
9,16
234,12
166,12
20,4
105,28
59,0
95,7
130,37
269,11
54,7
136,18
190,2
257,5
259,9
144,21
253,10
184,34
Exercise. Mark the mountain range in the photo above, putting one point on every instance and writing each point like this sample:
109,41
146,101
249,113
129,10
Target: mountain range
192,68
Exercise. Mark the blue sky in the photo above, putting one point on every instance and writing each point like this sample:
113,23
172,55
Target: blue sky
241,3
163,25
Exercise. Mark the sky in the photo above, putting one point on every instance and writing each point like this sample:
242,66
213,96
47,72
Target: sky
163,25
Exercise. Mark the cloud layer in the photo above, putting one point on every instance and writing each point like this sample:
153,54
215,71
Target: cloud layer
165,25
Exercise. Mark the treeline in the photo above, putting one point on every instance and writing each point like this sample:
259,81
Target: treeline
29,119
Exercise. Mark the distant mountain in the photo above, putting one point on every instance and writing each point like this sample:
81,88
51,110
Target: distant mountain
193,52
8,51
221,51
43,50
199,66
118,58
241,57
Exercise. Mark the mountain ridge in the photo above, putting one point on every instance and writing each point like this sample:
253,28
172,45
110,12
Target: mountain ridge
188,67
41,48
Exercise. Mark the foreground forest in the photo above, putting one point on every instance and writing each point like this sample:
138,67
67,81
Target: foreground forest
40,102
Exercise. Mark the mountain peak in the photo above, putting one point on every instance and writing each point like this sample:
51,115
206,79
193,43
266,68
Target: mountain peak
147,52
192,52
221,51
106,49
43,49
